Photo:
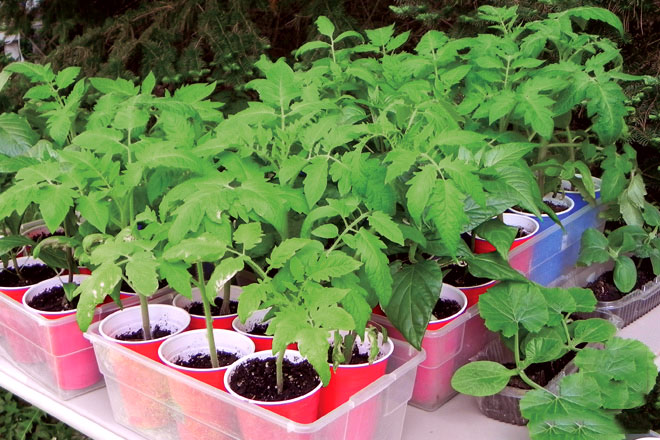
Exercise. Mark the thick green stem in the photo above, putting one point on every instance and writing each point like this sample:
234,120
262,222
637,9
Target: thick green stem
69,254
349,342
279,365
207,316
146,323
540,177
226,298
521,371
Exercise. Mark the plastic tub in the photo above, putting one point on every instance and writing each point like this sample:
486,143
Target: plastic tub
33,344
632,306
391,392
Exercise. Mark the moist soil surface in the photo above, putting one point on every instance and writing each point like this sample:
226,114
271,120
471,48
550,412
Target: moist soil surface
357,358
203,360
256,380
32,275
138,335
258,330
197,308
53,300
444,308
604,289
459,276
556,207
542,373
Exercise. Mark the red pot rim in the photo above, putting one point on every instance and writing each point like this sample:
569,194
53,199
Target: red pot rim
238,326
516,215
457,293
571,205
476,286
262,355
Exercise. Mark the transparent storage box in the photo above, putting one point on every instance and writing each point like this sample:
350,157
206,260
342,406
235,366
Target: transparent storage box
629,308
54,352
554,252
161,403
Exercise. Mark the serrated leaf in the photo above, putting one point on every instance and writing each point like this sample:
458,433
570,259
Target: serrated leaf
335,264
326,231
419,193
385,226
223,273
16,135
592,330
66,77
370,250
141,270
148,84
93,291
285,250
96,212
325,26
417,287
316,180
193,250
481,378
249,235
177,277
509,305
54,203
446,211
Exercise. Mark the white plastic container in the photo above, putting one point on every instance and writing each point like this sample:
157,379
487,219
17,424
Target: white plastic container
164,419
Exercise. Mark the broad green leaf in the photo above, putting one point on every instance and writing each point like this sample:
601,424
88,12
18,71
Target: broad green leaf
606,104
311,45
585,301
93,291
446,212
417,288
625,273
103,140
385,226
498,234
54,203
16,135
4,77
491,266
518,184
613,184
141,270
335,264
119,86
371,252
541,349
651,215
66,77
593,248
400,162
313,344
379,37
223,273
249,235
509,305
326,231
34,72
177,277
193,250
481,378
251,299
325,26
592,330
96,212
316,180
421,187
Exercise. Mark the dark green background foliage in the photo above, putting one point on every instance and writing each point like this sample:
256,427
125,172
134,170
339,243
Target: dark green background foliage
20,421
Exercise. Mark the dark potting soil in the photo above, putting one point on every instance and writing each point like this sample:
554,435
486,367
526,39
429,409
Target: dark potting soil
197,308
542,373
52,300
357,358
459,276
258,330
555,206
138,335
203,360
256,380
444,308
43,235
604,289
32,274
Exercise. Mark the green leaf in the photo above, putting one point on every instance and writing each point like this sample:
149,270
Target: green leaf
592,13
66,77
16,135
542,349
103,140
285,250
223,273
34,72
447,213
311,45
385,226
507,154
379,37
491,266
15,242
249,235
54,203
625,273
371,252
119,86
326,231
481,378
498,234
606,102
177,277
148,84
421,188
192,250
417,288
325,26
509,305
592,330
585,301
594,247
651,215
142,274
96,212
316,180
335,264
313,345
93,291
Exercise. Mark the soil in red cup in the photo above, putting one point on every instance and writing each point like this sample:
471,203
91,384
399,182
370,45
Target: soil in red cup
195,308
252,379
33,272
473,287
71,359
255,328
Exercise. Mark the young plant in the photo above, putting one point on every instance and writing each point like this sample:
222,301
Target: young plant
535,323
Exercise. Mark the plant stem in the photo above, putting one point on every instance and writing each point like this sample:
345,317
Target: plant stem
226,298
279,365
349,228
521,371
207,316
69,252
540,177
146,323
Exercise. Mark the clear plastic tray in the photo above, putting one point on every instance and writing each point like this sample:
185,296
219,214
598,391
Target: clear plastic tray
447,349
629,308
553,253
54,352
161,403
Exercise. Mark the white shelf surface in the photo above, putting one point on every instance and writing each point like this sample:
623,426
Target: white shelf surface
91,413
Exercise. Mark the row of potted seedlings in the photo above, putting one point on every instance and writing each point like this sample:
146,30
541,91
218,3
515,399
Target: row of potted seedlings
352,188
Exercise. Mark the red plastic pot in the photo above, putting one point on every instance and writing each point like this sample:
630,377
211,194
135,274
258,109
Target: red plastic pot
198,321
130,319
303,409
16,293
261,342
474,292
72,362
191,429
